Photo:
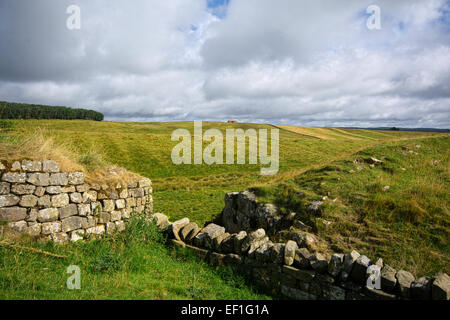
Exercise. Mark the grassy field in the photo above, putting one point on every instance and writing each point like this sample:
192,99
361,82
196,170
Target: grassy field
408,225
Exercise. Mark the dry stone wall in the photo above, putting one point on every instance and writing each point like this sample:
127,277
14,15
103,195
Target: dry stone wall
290,269
38,199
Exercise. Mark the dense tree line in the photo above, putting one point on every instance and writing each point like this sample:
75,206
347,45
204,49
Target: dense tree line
11,110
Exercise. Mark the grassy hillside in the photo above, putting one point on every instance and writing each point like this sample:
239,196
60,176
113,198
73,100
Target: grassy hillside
317,161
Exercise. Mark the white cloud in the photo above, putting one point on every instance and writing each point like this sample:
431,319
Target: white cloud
287,61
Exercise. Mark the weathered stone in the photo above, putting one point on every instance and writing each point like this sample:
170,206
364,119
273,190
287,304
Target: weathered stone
90,196
16,166
304,239
253,239
39,192
48,215
137,192
336,264
71,223
5,187
110,227
8,200
51,227
227,245
96,207
108,205
21,189
359,272
84,209
38,179
289,252
218,240
44,201
256,244
126,214
120,204
189,231
104,217
262,253
60,238
89,222
31,166
68,189
211,231
77,235
318,262
99,229
116,215
83,188
302,275
59,179
175,227
123,194
441,287
50,166
53,190
404,281
14,177
296,294
32,215
349,260
160,219
301,259
238,241
60,200
76,178
18,226
277,253
68,211
76,197
388,279
28,201
113,194
131,202
421,288
33,230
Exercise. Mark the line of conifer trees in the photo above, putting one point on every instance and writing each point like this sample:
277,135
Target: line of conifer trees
11,110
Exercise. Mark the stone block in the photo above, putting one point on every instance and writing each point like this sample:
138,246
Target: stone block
68,211
39,179
59,179
50,166
48,215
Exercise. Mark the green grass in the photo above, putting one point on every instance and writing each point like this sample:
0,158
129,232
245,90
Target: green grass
407,225
135,264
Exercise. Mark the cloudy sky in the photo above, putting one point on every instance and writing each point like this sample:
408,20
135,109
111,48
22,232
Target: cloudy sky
312,63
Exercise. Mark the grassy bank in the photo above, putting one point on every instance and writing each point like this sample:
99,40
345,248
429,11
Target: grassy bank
135,264
398,209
